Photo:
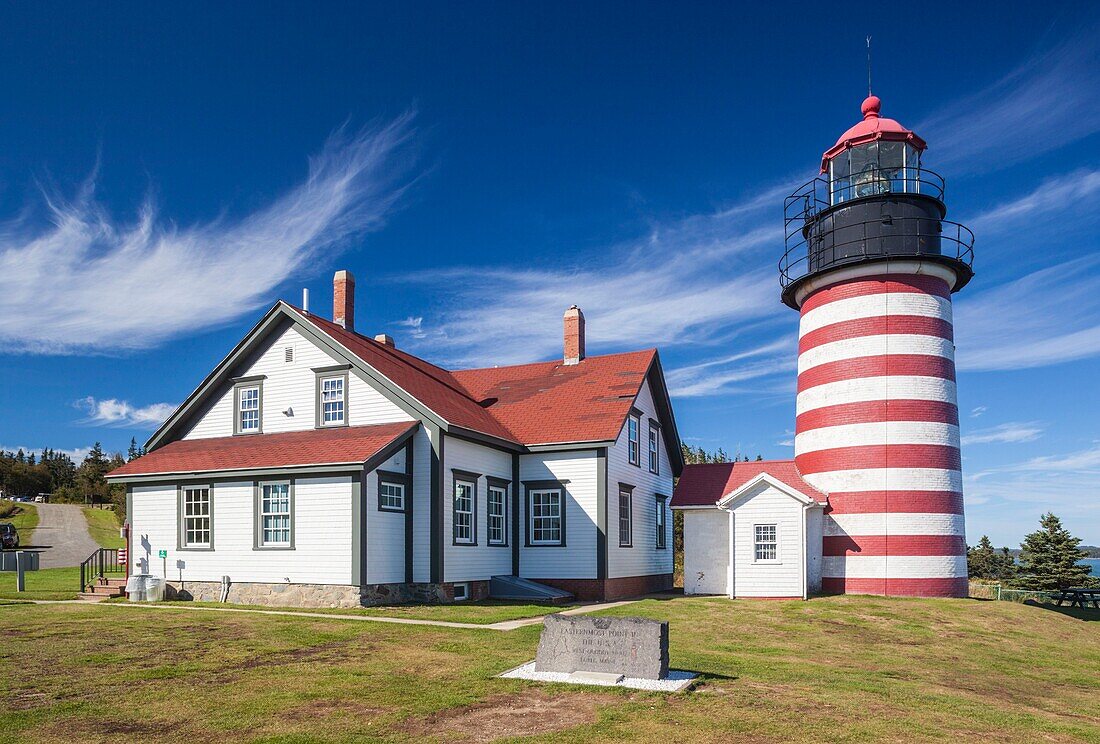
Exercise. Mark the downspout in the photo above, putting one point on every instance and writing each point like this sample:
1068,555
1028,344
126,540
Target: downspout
805,554
729,552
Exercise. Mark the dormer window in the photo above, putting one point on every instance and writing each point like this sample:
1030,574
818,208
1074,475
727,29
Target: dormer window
247,406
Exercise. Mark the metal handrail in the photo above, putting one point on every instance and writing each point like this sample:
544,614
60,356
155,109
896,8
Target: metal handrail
98,565
800,256
821,193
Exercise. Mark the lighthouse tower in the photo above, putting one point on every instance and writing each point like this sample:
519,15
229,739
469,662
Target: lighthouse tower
871,265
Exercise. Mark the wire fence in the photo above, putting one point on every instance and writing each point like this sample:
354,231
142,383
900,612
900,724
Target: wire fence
982,590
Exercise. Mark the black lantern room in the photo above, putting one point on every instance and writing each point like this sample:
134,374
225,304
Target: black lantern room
873,202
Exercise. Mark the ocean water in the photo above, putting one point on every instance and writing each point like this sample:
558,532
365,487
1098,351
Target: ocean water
1095,563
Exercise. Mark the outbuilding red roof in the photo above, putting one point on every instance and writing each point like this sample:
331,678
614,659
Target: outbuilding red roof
706,484
352,444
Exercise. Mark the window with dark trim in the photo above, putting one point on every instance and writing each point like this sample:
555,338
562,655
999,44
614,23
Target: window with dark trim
496,513
546,512
654,448
391,491
275,515
464,508
626,515
196,521
333,397
633,453
660,520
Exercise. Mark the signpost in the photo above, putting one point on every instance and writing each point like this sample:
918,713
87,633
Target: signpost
164,558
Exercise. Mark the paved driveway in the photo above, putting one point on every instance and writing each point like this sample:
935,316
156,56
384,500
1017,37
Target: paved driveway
62,536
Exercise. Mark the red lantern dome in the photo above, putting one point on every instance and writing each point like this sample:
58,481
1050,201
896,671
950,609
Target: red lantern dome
873,127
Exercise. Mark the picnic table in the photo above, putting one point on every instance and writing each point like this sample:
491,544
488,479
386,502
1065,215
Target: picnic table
1079,597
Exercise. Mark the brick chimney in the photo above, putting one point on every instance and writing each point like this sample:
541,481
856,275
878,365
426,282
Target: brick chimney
343,300
574,335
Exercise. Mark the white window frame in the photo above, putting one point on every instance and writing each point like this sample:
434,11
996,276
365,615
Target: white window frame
633,440
558,500
471,513
626,523
758,543
654,443
187,516
323,422
462,591
496,522
255,406
263,513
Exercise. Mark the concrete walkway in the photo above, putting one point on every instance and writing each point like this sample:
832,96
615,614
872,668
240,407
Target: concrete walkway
62,536
504,625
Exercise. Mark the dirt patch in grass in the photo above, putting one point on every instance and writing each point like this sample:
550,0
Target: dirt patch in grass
524,713
324,708
106,730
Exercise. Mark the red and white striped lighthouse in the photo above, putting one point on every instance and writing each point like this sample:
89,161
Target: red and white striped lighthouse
871,265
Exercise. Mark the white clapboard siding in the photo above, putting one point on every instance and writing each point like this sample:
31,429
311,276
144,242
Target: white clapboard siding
322,551
290,392
643,558
766,504
385,538
706,551
481,561
577,560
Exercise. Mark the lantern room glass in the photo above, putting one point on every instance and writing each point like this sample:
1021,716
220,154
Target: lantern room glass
880,167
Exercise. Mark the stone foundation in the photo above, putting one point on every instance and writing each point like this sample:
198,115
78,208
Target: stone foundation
272,595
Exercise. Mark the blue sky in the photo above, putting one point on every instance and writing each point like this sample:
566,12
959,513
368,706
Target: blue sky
165,177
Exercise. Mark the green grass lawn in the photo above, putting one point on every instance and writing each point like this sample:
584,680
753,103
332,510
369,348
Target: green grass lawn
832,669
23,516
485,612
103,526
48,583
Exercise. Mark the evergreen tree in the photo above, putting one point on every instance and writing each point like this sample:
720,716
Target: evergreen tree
134,452
979,559
1050,557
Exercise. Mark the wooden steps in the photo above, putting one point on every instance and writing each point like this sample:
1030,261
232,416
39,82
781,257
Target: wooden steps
103,589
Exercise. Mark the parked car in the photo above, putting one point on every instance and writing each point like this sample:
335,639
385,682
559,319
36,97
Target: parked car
40,499
9,538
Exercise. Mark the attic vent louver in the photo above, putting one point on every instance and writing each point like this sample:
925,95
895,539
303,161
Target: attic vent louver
288,354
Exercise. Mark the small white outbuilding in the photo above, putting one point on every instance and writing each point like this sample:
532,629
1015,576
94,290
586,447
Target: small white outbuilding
751,529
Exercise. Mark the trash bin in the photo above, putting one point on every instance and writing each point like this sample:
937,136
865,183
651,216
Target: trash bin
135,587
154,589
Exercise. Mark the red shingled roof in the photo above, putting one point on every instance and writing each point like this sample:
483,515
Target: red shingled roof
352,444
552,402
706,484
541,403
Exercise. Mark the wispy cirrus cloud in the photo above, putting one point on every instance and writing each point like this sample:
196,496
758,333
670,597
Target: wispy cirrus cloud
1056,195
1010,433
89,283
1008,500
119,413
1049,100
1047,317
696,281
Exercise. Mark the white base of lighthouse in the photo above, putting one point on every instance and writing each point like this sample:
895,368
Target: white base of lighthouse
878,428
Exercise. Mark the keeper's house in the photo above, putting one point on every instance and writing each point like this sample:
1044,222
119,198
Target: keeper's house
316,466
